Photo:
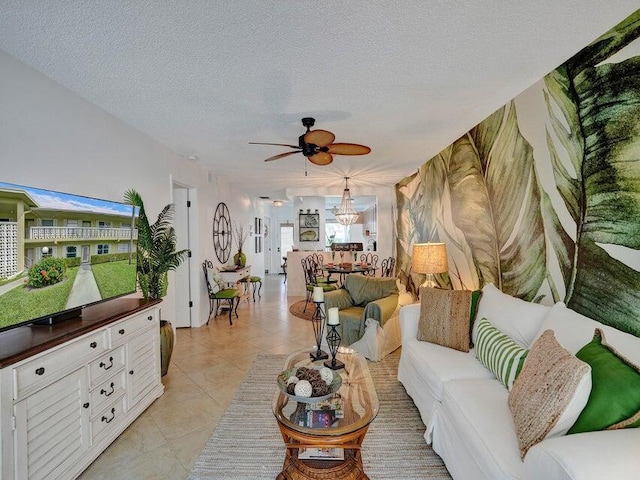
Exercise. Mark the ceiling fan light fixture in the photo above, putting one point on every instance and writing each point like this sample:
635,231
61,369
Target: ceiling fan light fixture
346,215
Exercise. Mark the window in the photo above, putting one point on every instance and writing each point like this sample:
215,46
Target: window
71,252
340,232
103,249
104,224
46,222
124,247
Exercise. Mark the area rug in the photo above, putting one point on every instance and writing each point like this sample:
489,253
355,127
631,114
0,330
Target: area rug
247,444
297,309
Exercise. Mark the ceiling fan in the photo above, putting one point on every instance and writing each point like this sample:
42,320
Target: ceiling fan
318,146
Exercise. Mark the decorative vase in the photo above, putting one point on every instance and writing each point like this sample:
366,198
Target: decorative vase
166,345
240,259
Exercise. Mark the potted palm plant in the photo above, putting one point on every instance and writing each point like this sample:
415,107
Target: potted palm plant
156,256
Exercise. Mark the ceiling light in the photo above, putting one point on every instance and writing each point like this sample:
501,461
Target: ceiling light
277,203
346,215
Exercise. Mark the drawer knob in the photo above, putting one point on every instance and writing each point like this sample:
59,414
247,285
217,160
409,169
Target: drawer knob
109,420
150,317
93,344
105,366
121,331
107,394
85,405
130,372
40,371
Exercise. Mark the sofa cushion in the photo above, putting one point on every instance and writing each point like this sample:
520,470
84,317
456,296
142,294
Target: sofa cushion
516,318
474,432
364,289
549,393
445,317
438,364
615,393
499,353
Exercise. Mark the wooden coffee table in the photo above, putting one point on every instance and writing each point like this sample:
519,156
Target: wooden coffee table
342,429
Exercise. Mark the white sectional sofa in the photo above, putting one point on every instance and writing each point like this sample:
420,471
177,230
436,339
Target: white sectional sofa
465,410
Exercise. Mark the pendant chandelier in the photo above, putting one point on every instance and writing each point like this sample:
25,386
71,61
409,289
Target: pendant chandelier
346,215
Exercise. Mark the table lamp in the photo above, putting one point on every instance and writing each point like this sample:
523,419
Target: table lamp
429,258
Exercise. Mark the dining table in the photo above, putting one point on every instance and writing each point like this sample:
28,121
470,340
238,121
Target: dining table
342,270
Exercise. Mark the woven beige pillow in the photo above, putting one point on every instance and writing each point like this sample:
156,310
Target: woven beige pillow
550,392
444,317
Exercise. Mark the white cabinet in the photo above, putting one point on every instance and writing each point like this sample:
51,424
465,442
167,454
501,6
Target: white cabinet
59,409
52,432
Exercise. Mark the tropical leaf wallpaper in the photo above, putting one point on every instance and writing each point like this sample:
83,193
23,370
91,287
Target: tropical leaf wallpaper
542,198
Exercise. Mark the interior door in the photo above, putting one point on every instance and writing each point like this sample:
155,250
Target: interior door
182,317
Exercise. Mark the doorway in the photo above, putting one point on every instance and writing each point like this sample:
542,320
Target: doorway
85,253
184,311
286,241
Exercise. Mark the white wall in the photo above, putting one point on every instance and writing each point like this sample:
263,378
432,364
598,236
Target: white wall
52,138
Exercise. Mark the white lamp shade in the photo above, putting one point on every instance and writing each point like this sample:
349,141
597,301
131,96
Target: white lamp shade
429,258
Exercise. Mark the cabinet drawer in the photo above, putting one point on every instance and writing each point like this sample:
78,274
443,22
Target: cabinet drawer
107,391
47,368
105,366
110,417
123,331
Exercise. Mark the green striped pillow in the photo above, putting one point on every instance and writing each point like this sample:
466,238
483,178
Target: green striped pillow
499,353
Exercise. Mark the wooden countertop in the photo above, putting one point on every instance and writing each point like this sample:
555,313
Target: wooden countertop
23,342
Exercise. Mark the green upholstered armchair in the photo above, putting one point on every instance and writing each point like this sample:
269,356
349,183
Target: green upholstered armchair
362,297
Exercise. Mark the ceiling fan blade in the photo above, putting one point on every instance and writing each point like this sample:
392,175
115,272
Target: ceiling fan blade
321,158
348,149
278,144
321,138
281,155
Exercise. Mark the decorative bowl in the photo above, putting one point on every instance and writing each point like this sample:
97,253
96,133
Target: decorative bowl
334,386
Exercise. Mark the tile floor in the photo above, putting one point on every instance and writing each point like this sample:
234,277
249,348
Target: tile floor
207,365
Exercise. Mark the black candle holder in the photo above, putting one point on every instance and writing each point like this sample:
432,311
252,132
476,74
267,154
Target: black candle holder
333,339
317,320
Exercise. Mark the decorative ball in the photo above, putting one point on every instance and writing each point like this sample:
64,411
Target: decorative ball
303,388
292,379
326,374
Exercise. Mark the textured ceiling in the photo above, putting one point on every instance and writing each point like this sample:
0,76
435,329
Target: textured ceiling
206,77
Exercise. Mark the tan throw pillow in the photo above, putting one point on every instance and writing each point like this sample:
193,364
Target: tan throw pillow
550,392
444,317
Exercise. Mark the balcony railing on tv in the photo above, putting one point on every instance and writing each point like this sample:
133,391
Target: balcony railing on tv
82,233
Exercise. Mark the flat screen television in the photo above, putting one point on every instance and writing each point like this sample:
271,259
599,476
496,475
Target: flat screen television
60,252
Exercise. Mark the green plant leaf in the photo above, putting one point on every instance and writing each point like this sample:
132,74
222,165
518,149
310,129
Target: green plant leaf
599,181
495,200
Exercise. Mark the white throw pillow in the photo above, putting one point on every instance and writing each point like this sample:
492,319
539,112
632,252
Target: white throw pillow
573,331
516,318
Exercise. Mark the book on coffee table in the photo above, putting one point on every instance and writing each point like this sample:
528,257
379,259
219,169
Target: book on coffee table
321,454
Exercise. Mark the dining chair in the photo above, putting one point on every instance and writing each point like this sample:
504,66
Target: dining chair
372,260
388,266
311,279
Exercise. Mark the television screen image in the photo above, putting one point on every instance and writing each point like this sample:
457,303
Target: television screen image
60,252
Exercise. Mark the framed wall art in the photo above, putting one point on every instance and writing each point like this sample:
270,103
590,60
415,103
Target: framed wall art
309,224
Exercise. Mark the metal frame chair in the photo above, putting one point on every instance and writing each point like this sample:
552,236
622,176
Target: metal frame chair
388,267
372,260
310,270
229,295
